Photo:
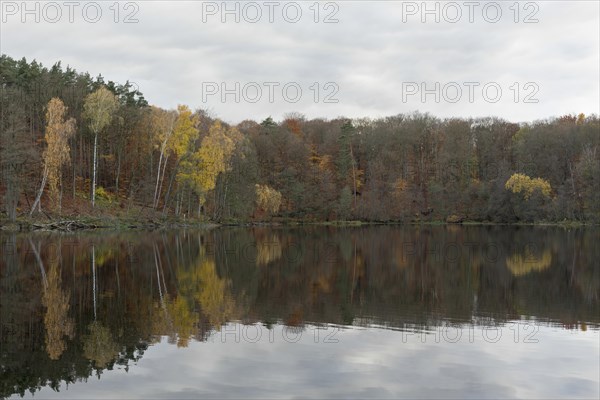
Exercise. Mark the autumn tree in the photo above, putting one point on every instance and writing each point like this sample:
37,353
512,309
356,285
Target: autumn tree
401,167
268,199
532,196
201,170
99,108
57,153
588,179
234,187
163,123
520,183
215,155
346,160
182,145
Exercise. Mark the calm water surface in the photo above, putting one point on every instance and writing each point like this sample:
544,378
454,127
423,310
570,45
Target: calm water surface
369,312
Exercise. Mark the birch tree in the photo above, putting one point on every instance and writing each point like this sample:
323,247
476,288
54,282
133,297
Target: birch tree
98,110
163,123
57,154
201,170
181,143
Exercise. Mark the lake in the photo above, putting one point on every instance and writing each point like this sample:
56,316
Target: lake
320,312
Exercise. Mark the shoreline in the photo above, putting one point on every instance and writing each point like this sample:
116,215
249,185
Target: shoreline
123,224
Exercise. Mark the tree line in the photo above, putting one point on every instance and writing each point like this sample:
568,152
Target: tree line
72,144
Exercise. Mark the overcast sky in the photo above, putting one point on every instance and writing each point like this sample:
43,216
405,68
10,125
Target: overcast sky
376,60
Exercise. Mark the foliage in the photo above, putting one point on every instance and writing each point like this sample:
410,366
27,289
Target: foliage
203,168
184,132
103,194
345,202
520,183
58,134
186,163
268,199
98,109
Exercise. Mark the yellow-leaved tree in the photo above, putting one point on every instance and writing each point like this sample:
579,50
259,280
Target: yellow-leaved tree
181,143
521,183
201,170
56,155
98,110
267,199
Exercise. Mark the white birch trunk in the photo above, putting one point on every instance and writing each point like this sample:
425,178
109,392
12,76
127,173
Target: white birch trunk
38,198
94,170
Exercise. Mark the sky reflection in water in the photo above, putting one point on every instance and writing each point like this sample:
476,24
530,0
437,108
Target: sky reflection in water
233,313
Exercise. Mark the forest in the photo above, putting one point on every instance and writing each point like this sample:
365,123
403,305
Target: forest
73,145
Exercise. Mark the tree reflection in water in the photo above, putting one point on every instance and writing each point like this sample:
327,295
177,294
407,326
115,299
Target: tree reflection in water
75,305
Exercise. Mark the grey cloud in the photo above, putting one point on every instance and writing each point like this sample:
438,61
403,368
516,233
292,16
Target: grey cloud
369,53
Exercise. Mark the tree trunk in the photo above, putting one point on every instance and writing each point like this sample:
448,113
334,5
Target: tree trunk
60,195
155,199
170,187
162,179
94,277
353,174
74,158
95,169
119,156
189,208
225,200
215,205
37,202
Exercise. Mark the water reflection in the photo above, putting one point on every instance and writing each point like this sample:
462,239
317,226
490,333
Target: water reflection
73,306
57,322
